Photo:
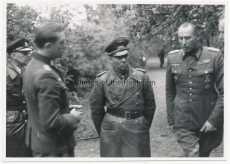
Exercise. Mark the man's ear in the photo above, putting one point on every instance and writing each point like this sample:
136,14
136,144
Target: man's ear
13,55
47,45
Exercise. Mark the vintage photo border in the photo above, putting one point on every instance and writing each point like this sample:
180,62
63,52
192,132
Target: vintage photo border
94,159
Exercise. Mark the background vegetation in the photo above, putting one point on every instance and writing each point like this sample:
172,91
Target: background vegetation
149,27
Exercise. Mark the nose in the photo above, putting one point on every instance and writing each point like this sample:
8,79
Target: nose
124,59
184,41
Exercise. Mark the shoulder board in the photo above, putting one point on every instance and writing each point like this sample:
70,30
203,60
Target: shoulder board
173,52
47,67
142,70
98,75
213,49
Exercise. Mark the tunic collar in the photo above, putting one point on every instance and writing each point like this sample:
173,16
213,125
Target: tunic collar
132,74
196,55
44,59
13,70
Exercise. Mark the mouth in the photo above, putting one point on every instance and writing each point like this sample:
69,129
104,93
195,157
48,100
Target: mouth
185,48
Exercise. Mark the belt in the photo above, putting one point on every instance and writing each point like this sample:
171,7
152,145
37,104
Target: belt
125,114
16,108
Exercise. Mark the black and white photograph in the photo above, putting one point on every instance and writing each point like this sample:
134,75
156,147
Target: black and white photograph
114,81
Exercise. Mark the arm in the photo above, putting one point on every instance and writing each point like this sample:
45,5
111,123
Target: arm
149,100
216,118
97,103
170,93
49,94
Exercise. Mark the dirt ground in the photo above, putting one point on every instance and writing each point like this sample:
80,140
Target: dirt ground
163,141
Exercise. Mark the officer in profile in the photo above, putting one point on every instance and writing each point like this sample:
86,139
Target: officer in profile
194,94
16,113
128,96
51,124
221,33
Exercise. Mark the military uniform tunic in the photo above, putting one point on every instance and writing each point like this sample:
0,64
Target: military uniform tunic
50,126
194,89
15,113
119,136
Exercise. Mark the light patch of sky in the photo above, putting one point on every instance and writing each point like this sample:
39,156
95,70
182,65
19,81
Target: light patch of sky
77,10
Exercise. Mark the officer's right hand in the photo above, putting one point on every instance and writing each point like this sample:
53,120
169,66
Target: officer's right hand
78,115
173,128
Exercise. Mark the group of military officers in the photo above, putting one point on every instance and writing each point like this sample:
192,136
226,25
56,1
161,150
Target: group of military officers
122,101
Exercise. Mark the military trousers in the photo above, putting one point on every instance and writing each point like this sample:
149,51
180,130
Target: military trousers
16,135
69,153
121,137
198,144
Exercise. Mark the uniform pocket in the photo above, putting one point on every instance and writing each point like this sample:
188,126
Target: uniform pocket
176,75
206,78
108,125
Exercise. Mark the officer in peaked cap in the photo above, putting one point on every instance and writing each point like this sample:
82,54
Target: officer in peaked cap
194,94
128,96
20,45
16,113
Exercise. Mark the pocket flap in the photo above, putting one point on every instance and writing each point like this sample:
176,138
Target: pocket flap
206,71
176,71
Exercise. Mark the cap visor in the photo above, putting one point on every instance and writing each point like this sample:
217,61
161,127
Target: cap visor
121,53
24,49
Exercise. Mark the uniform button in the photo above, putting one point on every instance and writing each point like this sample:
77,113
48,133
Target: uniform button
190,100
25,120
136,121
190,76
120,122
137,93
190,94
190,70
137,103
190,82
206,71
175,71
117,129
23,102
190,88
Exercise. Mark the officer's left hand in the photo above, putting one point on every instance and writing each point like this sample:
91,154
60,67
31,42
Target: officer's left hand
208,127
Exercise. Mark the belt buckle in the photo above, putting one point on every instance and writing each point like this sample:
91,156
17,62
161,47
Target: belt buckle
127,114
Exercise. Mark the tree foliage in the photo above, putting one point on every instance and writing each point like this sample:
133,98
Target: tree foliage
154,23
145,24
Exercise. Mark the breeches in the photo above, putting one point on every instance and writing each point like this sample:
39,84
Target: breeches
198,144
124,138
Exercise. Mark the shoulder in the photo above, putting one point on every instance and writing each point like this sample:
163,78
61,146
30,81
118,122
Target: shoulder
212,49
141,70
174,52
47,73
211,52
102,73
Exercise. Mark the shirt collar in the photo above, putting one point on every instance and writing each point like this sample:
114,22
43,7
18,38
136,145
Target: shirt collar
44,59
196,55
132,74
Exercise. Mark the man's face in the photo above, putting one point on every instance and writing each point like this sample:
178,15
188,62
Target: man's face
21,57
120,62
221,35
187,39
58,47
